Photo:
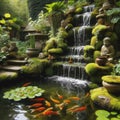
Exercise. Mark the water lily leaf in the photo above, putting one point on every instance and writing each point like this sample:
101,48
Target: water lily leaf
118,116
115,118
113,113
102,118
102,113
23,93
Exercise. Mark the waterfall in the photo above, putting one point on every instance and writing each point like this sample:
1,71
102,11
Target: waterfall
72,74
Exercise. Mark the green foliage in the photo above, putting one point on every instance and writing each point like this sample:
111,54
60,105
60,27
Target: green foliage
32,41
41,23
18,94
116,68
114,15
54,7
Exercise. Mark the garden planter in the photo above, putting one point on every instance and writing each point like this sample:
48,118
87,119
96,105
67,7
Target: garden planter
101,61
32,52
113,88
111,83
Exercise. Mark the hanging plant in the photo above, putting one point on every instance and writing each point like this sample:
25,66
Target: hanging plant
23,93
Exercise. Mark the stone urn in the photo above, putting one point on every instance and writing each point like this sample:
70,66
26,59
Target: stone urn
32,52
101,61
111,83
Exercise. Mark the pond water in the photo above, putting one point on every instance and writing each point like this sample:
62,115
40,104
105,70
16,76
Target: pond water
11,110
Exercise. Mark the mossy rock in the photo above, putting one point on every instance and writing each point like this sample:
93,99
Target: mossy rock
98,28
104,99
4,75
96,54
55,51
35,66
78,10
96,72
93,40
88,51
111,79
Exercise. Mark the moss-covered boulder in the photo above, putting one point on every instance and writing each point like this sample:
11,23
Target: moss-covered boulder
55,51
36,66
95,71
104,99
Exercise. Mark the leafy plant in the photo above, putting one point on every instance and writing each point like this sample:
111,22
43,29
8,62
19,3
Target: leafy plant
116,69
114,15
106,115
23,93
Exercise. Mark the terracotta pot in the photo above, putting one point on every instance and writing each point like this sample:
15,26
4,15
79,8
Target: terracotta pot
32,52
113,88
101,61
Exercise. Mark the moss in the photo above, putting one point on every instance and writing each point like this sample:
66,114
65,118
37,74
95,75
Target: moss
61,44
98,45
62,33
8,76
88,51
93,40
96,54
96,72
98,28
97,95
111,79
78,10
35,66
55,51
51,43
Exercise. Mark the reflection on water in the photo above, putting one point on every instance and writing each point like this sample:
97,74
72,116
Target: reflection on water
10,110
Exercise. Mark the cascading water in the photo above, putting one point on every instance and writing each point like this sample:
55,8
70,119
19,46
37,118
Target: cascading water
72,75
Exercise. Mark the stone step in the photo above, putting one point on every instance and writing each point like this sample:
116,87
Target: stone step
16,62
11,68
6,75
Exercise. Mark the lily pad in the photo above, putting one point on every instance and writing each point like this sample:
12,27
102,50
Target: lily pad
102,113
118,116
113,113
102,118
115,118
23,93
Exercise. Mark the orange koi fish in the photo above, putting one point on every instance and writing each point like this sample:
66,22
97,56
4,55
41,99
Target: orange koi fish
35,105
60,106
54,100
38,109
74,98
26,84
47,103
72,108
38,99
59,96
79,109
67,101
50,112
40,114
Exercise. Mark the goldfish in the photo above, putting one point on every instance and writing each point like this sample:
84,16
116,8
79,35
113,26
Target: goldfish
60,106
72,108
74,98
59,96
47,103
26,84
78,109
35,105
38,109
50,112
54,100
38,99
67,101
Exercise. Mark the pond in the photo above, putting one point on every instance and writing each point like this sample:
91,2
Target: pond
54,91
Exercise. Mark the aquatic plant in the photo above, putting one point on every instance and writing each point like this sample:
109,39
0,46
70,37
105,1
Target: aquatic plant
106,115
21,93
